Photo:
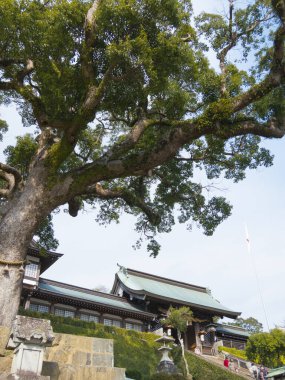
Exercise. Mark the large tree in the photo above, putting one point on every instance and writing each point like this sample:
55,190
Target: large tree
126,106
252,325
267,348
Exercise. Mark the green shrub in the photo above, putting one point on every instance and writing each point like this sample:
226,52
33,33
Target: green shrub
164,376
233,351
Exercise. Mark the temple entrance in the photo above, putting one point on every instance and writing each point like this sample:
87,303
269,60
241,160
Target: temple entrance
190,338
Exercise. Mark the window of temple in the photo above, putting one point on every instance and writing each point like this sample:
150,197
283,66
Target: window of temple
39,308
89,317
111,322
133,326
31,270
64,313
116,323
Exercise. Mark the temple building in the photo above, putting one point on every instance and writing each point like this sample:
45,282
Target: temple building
137,301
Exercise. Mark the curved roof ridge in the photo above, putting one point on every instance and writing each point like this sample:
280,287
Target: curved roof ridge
168,280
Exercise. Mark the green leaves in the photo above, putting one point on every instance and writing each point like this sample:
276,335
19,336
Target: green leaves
3,128
251,324
20,155
267,348
45,235
179,318
138,75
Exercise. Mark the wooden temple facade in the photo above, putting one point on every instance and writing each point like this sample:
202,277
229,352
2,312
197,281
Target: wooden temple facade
138,301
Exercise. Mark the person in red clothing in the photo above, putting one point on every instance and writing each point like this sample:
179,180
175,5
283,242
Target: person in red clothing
226,362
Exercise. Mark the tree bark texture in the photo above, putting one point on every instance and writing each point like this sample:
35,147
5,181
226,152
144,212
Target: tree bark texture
26,210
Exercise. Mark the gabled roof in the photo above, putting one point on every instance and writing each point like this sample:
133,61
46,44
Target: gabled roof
232,330
89,297
276,372
47,258
172,291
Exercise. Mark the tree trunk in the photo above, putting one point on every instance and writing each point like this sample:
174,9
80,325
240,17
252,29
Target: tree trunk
17,227
183,353
10,291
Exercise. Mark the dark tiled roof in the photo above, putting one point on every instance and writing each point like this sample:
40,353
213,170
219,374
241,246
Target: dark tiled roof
89,296
170,290
232,330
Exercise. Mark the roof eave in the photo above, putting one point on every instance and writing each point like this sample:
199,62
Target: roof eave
137,312
221,312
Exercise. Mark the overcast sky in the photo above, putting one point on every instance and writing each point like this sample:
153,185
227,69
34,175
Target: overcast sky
221,262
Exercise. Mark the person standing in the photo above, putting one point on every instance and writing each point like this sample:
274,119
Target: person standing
226,362
254,371
262,373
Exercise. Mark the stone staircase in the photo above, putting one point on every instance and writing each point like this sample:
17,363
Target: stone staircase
81,358
219,361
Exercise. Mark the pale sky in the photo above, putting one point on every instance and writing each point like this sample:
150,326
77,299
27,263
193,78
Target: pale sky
221,262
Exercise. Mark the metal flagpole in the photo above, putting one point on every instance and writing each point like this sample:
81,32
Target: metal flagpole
256,275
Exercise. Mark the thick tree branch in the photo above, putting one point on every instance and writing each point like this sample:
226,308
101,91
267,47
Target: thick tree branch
273,80
6,62
9,178
94,95
10,171
233,40
130,140
7,86
274,128
90,38
129,197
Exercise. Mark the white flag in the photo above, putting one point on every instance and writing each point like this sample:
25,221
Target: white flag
247,238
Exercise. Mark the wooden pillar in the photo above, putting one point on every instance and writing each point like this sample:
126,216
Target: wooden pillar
77,313
51,310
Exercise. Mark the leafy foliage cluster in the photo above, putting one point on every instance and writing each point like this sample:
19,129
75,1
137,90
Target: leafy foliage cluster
128,108
267,348
179,318
233,351
252,325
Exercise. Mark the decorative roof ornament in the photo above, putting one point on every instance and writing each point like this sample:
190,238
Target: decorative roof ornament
123,270
209,291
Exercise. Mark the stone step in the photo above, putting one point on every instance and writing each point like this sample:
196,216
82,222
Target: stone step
220,363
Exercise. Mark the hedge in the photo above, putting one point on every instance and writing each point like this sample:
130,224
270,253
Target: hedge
135,351
233,351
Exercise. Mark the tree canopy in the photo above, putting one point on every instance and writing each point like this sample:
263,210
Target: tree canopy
251,324
127,106
179,318
267,348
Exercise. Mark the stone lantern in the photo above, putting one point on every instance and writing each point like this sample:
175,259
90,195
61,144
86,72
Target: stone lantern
29,338
166,364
